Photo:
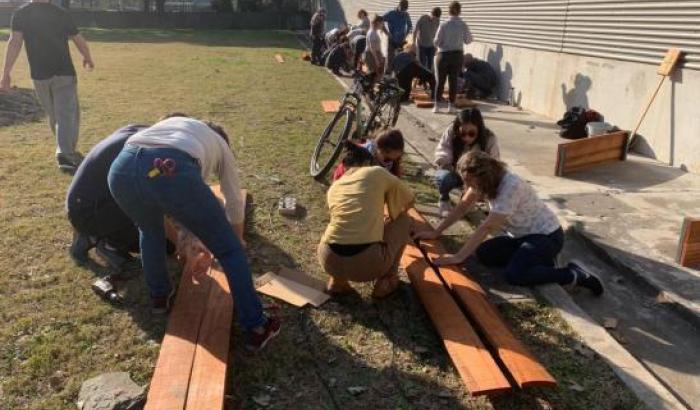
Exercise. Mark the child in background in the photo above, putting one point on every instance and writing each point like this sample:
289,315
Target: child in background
386,149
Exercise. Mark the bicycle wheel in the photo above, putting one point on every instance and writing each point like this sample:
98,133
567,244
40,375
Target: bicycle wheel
384,115
331,142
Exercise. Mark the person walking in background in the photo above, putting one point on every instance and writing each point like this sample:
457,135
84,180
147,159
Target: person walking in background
424,37
318,30
399,24
46,29
450,39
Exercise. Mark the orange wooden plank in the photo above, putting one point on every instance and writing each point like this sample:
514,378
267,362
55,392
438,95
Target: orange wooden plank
330,105
425,104
208,378
421,96
689,244
474,363
171,378
518,361
279,58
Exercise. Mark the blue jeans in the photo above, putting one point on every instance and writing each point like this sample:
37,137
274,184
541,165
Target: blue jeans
186,198
528,260
446,181
427,55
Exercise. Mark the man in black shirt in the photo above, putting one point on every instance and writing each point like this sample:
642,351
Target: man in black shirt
46,28
95,216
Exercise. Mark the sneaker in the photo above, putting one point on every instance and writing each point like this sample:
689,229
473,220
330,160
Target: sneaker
451,109
161,305
115,258
256,340
80,246
586,279
436,107
444,208
69,162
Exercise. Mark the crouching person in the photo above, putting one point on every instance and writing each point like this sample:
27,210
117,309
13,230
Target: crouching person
162,171
96,218
361,244
529,236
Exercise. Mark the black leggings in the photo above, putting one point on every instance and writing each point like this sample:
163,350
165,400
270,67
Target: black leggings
528,260
448,65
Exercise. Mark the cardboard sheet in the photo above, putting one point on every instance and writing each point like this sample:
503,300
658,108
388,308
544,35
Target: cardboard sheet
294,287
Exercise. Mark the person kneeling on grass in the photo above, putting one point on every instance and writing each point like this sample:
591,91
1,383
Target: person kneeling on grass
162,171
386,149
361,244
467,133
532,236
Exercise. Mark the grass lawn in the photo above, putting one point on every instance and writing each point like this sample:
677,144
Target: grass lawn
56,333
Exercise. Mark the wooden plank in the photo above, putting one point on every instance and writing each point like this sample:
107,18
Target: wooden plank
279,58
330,105
590,152
171,378
425,104
474,363
208,378
524,368
689,243
464,103
421,96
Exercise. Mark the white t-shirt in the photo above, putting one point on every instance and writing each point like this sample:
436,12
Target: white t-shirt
526,213
206,146
374,41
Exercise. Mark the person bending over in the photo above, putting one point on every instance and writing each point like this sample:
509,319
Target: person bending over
480,78
466,133
361,244
386,149
162,171
407,67
527,235
339,58
96,218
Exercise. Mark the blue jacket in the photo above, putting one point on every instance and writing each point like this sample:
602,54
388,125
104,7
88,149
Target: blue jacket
399,23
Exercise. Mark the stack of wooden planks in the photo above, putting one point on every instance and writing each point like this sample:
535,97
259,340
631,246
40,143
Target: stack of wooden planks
191,369
591,152
487,355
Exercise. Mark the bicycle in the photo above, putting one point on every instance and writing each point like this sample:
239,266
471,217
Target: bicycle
384,104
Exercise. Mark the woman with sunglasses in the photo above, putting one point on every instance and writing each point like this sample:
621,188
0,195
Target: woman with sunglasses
466,134
527,236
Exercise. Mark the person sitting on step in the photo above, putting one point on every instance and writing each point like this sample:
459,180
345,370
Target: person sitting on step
466,133
361,242
528,236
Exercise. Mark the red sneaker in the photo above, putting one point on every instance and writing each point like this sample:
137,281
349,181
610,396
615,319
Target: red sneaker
255,341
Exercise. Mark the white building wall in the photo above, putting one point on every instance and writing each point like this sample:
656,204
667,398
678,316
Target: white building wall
548,82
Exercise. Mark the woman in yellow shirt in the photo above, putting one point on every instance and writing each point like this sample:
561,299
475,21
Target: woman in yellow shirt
361,243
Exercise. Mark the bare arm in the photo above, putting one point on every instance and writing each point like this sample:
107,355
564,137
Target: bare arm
492,223
14,46
82,46
468,199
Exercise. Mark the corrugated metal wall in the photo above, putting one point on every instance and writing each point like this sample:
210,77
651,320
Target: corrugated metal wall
630,30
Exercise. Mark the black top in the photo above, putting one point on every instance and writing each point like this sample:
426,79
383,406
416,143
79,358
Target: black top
89,186
46,29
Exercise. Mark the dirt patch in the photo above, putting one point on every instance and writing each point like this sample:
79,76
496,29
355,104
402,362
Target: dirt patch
19,105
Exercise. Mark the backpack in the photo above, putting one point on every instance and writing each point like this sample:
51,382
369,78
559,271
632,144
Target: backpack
573,123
